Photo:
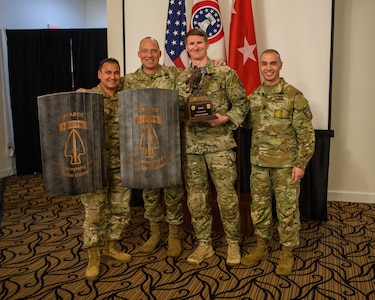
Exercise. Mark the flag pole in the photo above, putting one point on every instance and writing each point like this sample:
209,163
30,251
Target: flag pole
71,64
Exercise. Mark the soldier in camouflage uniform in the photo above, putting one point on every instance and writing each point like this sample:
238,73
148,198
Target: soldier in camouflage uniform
107,211
208,147
153,75
282,144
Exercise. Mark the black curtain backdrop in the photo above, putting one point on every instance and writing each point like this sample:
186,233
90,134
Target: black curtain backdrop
39,64
314,185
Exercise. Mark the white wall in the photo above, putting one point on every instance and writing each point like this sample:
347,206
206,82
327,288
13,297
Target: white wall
115,35
304,48
351,175
96,13
6,132
37,14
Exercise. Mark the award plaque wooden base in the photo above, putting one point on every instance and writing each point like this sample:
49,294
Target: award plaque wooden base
199,109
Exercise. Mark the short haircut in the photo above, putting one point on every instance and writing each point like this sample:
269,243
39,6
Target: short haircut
110,60
196,31
272,51
149,38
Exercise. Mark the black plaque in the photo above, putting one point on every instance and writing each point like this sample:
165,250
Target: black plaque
72,143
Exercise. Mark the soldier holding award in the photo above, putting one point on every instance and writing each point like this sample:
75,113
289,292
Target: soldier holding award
214,102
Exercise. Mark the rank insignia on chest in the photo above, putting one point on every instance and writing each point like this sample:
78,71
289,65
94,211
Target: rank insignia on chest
277,113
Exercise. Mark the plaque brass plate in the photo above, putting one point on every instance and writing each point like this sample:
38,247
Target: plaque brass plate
199,109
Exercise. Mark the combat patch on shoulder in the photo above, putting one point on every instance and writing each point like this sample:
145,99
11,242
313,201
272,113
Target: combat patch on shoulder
308,112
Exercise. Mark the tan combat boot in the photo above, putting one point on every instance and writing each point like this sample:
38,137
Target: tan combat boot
154,240
174,242
93,267
260,253
203,251
111,251
233,256
285,266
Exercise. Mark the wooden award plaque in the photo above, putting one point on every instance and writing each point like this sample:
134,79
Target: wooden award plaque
199,109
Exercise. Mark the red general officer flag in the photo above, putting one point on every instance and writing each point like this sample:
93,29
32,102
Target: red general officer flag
243,55
205,14
174,52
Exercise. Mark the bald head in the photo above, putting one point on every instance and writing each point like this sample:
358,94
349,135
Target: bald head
149,53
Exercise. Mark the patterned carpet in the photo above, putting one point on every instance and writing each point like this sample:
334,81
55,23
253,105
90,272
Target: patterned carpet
41,257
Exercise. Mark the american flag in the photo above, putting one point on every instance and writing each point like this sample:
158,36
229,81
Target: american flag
174,52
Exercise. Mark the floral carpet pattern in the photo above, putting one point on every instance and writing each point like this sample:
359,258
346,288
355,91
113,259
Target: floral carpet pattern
41,257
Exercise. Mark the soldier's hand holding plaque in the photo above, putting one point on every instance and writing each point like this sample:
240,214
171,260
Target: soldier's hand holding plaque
198,108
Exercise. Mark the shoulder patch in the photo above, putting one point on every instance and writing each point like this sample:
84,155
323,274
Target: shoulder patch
308,112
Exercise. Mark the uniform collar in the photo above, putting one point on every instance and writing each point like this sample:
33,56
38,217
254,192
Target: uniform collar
278,88
160,72
209,66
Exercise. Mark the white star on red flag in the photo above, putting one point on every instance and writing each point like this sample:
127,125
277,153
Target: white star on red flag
247,50
243,55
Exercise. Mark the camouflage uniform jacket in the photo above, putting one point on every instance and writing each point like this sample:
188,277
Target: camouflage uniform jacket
111,125
283,135
164,78
221,85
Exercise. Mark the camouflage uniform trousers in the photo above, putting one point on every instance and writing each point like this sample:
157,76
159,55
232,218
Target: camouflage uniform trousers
107,212
222,168
262,181
173,203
